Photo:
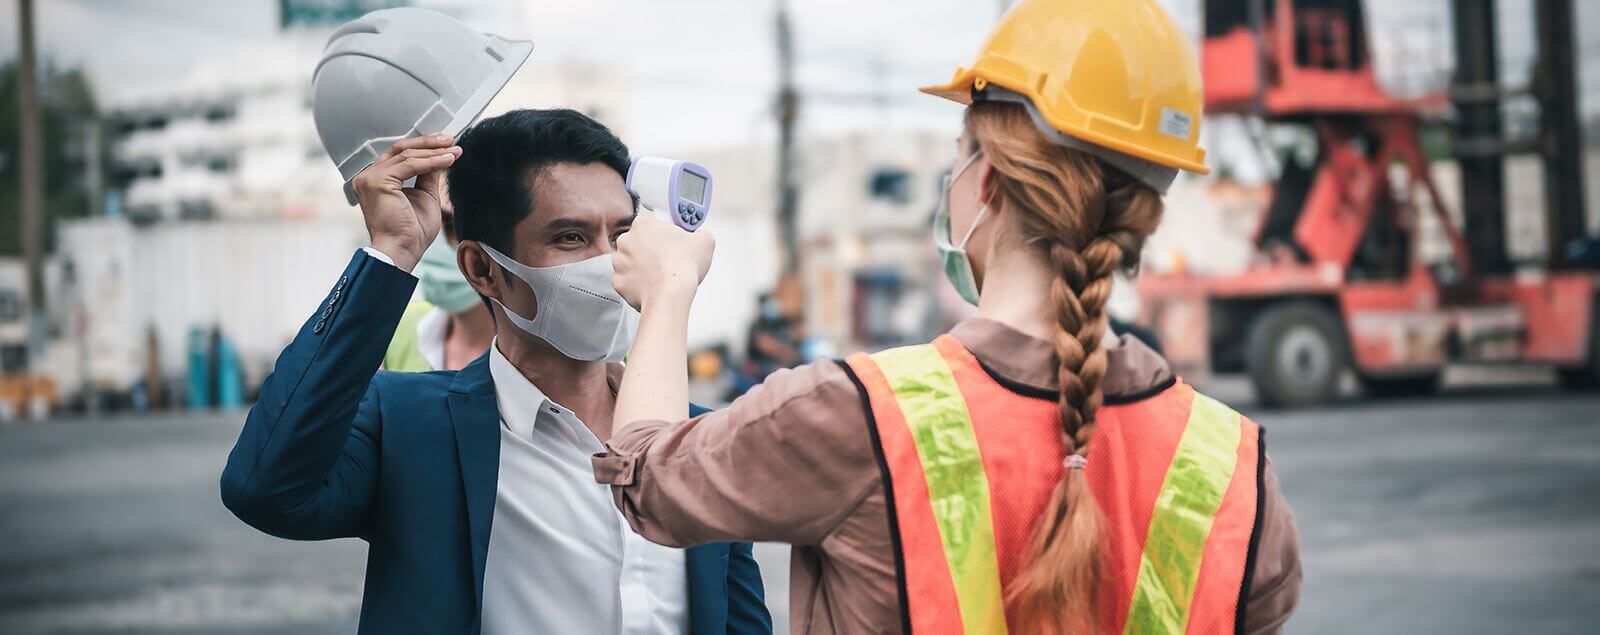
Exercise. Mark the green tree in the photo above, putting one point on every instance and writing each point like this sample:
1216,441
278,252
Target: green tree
66,110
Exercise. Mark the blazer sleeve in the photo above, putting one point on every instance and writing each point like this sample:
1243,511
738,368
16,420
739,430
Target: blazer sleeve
306,463
747,601
747,596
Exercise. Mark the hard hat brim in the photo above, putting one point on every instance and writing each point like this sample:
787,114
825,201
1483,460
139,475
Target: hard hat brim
518,50
960,91
960,95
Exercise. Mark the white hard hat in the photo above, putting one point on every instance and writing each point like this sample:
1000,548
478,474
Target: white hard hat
397,73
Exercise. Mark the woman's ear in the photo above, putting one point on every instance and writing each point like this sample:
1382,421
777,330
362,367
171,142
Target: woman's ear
477,268
988,185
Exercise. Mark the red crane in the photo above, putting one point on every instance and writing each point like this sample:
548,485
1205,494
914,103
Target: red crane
1337,285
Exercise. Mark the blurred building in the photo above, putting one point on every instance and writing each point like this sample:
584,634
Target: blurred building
224,216
233,138
130,297
229,138
867,260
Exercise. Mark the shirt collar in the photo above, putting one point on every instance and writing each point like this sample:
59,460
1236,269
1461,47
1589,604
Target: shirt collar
520,400
1131,367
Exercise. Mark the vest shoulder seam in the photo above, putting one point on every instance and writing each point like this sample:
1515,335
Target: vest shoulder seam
1131,398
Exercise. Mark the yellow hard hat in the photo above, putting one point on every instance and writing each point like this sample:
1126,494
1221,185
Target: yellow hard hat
1117,75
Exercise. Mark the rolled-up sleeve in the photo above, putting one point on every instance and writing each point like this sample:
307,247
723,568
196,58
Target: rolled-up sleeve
786,462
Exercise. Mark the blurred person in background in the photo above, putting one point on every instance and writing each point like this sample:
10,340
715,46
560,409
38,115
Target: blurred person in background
473,488
1029,471
778,333
450,326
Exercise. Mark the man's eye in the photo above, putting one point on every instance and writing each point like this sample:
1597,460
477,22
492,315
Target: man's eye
570,238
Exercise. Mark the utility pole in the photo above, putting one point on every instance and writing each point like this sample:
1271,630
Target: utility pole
32,163
788,111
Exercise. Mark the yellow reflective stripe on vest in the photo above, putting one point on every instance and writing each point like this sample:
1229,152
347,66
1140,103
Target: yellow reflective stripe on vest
405,352
1185,509
941,428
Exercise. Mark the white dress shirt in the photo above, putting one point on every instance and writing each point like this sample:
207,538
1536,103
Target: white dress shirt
561,558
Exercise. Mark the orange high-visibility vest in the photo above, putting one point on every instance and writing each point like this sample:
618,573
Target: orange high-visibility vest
970,465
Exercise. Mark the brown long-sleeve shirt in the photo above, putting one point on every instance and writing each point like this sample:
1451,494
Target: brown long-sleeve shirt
792,461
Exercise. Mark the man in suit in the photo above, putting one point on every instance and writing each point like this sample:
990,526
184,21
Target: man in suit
474,488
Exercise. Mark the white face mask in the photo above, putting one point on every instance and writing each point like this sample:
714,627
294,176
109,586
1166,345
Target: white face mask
580,313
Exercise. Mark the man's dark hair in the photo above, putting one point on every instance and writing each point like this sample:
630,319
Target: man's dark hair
502,158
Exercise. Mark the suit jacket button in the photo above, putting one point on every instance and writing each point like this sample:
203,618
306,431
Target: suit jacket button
335,297
317,330
342,280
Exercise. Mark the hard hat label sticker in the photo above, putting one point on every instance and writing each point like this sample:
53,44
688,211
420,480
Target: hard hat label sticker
1175,123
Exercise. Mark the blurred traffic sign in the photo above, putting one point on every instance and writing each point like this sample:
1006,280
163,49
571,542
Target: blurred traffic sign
327,12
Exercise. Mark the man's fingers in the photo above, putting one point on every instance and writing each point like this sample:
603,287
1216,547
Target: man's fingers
436,140
423,153
407,168
393,161
387,163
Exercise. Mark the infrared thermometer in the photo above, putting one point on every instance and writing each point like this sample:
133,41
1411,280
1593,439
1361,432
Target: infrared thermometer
676,191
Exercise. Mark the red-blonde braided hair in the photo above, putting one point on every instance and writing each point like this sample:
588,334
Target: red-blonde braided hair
1089,221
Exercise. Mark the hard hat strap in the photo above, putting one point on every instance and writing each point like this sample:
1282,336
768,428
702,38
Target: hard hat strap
1158,177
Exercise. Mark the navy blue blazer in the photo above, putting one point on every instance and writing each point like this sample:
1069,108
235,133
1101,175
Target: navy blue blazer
409,462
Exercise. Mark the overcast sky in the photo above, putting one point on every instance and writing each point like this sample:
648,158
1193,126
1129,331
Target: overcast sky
708,81
703,69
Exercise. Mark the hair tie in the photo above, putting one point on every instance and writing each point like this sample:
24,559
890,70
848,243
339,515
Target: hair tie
1075,462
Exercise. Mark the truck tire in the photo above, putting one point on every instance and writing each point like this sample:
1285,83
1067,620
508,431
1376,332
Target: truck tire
1587,376
1402,386
1296,354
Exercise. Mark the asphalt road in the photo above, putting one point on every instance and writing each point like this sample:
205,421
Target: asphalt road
1474,512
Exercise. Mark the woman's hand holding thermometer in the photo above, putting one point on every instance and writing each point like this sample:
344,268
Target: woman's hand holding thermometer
663,258
658,267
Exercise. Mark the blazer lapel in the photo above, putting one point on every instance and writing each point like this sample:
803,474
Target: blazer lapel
475,416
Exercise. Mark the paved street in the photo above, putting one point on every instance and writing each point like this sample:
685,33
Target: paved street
1475,512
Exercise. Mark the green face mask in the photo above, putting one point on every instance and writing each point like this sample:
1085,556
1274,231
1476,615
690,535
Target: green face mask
442,282
957,266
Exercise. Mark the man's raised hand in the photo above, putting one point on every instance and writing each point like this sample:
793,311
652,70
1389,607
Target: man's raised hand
403,221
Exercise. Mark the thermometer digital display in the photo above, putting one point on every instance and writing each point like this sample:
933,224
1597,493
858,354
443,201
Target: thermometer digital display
676,191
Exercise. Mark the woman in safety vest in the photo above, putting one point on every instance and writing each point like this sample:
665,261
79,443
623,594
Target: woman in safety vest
1029,471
